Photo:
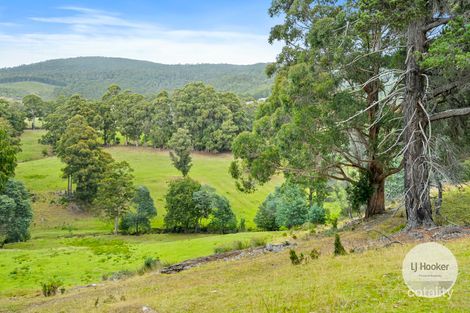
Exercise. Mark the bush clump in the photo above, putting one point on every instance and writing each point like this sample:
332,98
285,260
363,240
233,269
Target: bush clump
50,288
339,249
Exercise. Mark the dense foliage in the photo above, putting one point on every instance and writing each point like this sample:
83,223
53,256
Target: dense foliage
15,212
286,207
188,204
85,161
9,148
138,221
212,119
182,212
90,76
115,191
180,154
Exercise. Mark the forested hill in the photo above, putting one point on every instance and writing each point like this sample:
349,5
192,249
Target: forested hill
90,76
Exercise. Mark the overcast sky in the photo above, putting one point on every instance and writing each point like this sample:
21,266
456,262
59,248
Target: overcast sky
163,31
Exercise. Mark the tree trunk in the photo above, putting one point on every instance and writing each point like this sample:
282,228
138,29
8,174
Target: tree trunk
376,203
417,202
310,196
116,222
439,197
33,123
69,185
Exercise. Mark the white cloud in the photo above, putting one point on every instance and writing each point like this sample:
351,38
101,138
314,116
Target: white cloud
90,32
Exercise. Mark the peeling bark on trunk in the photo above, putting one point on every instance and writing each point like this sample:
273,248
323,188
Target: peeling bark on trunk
417,202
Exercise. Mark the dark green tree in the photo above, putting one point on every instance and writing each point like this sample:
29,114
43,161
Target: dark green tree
15,213
330,109
223,219
292,206
317,214
79,148
57,122
9,148
138,221
144,203
162,126
266,215
182,212
115,192
14,115
106,108
181,145
34,108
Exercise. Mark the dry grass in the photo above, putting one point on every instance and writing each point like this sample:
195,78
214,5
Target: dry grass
358,282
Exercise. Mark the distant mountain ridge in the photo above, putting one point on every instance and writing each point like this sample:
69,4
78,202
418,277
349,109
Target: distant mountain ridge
90,76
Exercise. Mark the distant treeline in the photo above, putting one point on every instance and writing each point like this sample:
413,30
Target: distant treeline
211,118
91,76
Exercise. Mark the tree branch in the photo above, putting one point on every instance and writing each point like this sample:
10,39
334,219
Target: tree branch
449,113
436,22
448,87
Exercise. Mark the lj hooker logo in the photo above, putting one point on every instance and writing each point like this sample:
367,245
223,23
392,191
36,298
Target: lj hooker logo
430,270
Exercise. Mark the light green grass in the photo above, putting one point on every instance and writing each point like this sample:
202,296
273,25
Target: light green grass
31,149
365,282
456,204
153,169
84,260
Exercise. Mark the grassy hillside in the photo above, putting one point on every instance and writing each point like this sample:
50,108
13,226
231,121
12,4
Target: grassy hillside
80,260
20,89
360,282
152,168
30,148
90,76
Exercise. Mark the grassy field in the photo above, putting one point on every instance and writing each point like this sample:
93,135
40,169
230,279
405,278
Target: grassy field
78,249
30,148
152,168
80,260
21,89
360,282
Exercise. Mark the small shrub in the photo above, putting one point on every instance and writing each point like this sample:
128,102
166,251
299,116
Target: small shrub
242,225
49,288
314,254
150,264
295,260
339,249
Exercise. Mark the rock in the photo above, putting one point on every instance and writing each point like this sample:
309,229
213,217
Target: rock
147,309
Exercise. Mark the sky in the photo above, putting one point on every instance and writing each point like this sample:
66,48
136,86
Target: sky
163,31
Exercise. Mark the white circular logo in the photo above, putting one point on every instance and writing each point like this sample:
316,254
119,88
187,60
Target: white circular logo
430,270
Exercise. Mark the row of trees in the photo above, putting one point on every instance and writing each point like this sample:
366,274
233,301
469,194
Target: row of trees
212,118
97,181
358,85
